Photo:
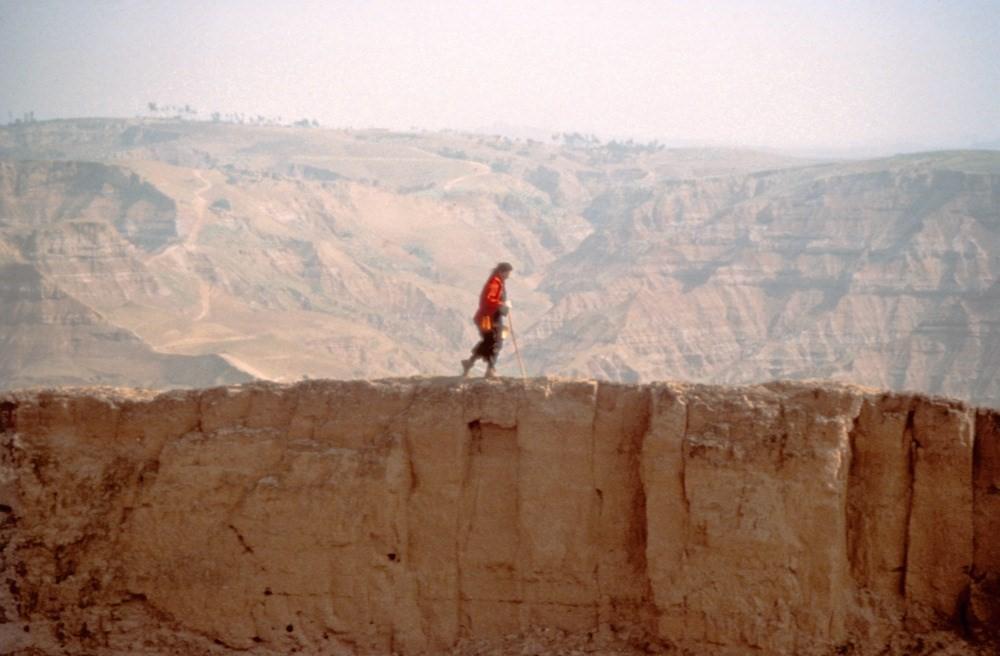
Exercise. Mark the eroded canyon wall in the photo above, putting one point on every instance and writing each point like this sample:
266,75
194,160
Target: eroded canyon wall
406,515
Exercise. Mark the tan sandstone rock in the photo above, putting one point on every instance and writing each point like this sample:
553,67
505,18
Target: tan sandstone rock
442,515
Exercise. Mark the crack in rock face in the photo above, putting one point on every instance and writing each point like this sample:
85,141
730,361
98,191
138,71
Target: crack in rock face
425,516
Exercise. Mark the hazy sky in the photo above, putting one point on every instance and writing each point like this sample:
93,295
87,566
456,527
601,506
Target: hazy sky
838,74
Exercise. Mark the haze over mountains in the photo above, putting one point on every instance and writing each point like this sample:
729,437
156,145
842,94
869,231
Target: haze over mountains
163,253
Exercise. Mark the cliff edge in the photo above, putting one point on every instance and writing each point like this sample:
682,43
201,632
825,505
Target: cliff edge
427,515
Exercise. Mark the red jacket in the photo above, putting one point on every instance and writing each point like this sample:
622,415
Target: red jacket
491,298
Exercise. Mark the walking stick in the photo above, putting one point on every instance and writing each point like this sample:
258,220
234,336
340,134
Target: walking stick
517,352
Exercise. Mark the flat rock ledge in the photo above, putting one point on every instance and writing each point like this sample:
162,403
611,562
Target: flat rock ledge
445,515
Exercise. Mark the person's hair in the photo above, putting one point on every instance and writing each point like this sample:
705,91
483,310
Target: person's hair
503,266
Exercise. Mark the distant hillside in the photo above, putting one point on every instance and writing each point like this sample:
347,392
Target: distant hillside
49,338
879,272
291,252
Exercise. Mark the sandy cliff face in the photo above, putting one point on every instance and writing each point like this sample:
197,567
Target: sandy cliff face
418,516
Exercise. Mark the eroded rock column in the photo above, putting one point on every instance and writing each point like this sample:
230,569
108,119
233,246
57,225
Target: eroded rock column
747,533
984,607
939,553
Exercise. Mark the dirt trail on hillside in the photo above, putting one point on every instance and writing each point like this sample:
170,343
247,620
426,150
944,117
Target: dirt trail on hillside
483,171
204,300
201,209
189,244
200,206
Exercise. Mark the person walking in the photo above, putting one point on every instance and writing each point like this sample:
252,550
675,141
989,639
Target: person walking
493,307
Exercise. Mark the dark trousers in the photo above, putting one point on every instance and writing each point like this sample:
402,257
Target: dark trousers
490,343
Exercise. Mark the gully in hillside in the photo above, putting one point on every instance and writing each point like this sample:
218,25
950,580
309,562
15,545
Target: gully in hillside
493,307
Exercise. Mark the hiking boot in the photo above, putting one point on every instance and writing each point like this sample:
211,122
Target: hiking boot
490,372
466,365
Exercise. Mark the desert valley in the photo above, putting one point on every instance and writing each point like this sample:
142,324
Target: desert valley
162,253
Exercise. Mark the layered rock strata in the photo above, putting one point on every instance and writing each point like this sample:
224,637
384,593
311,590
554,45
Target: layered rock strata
405,516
